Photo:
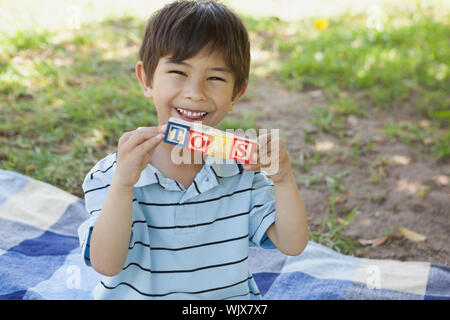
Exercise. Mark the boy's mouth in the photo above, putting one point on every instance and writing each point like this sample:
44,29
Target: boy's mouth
190,115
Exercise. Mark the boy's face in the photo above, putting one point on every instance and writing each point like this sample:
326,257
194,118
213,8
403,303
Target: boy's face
201,84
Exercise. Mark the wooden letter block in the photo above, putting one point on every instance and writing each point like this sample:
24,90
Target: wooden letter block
220,146
208,140
242,150
176,133
198,141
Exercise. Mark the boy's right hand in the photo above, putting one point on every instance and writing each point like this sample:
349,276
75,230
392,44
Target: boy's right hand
134,151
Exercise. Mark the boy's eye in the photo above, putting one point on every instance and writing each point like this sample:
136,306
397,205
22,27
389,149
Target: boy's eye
183,74
177,72
217,78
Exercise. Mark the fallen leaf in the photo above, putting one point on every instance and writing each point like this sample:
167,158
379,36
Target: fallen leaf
403,160
424,123
412,187
342,221
374,242
379,139
340,159
324,145
352,120
340,200
411,235
96,135
441,180
351,194
30,167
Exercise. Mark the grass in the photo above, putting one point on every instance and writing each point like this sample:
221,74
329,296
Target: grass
329,231
404,63
64,104
67,97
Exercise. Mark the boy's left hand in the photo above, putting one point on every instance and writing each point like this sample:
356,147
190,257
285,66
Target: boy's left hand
271,157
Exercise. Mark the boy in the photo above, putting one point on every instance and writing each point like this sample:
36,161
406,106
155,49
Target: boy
161,230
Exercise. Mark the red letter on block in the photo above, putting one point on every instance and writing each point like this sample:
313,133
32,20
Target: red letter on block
198,141
242,150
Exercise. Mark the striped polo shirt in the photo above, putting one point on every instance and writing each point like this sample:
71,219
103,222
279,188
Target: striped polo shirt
186,243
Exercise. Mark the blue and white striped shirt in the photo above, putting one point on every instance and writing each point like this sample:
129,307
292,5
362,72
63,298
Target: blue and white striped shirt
186,243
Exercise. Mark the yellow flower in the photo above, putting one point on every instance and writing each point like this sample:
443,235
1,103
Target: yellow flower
321,24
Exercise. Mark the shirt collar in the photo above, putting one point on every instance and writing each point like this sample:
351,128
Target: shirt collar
214,168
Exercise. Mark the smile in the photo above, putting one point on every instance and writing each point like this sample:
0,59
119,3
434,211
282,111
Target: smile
191,115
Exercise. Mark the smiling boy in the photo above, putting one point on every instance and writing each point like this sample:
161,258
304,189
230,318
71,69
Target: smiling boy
161,230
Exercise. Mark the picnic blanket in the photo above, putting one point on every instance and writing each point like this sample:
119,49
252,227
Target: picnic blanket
40,257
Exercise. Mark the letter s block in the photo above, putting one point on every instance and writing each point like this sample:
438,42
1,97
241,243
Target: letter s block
242,150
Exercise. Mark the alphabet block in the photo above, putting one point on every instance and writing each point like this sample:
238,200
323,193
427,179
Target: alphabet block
242,150
204,139
220,146
198,141
176,133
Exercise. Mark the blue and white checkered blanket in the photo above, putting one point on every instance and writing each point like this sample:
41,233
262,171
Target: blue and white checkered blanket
40,257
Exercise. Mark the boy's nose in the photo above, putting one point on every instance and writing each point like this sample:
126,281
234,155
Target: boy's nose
194,91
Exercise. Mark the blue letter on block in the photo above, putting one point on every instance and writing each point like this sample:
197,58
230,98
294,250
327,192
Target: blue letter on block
176,134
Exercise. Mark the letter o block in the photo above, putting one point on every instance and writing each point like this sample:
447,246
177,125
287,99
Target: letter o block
198,141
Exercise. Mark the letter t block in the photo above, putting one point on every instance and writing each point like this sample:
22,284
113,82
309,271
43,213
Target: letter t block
176,134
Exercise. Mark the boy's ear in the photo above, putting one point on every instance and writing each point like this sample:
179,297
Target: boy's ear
239,94
140,73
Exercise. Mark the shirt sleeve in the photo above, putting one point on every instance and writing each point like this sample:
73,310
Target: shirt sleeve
95,186
262,213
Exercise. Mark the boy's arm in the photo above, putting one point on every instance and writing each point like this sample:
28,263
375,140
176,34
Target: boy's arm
111,234
289,232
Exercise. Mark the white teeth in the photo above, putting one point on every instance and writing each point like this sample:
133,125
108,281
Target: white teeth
191,114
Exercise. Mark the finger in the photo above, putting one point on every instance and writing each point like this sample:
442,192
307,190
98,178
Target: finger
263,154
148,145
252,167
264,139
142,135
269,153
161,128
125,137
274,146
253,161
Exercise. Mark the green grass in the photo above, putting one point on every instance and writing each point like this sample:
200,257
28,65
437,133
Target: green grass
329,231
66,103
406,62
67,97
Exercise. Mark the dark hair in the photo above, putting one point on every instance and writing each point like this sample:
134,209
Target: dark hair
183,28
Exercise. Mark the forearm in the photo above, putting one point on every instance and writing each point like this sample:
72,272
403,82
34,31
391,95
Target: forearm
291,224
111,235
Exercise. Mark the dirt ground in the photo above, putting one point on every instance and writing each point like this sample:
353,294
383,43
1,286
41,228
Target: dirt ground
413,192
